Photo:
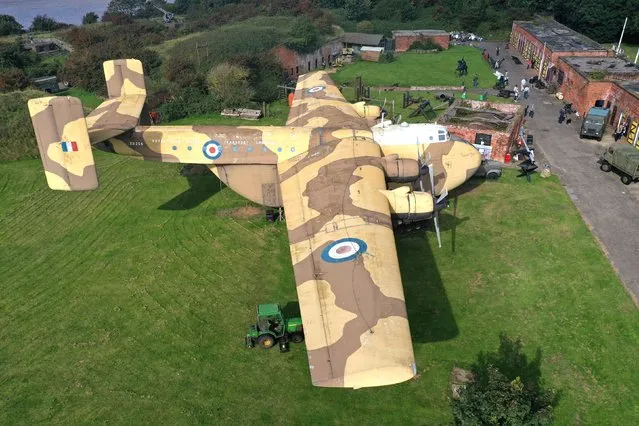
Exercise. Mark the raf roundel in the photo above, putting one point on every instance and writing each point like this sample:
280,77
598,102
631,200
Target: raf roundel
343,250
212,150
315,89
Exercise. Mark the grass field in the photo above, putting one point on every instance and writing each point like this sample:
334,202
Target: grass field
89,100
128,304
422,69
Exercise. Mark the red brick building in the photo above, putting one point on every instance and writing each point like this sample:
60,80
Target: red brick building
295,63
584,71
493,141
404,38
530,37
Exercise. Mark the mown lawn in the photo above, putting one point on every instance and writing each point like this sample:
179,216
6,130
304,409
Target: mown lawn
89,100
277,115
422,69
128,305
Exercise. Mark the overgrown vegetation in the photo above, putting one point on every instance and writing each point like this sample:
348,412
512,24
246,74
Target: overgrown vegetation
425,44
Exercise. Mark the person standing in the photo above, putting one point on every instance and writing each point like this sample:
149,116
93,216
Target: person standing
526,90
497,50
562,116
475,80
526,111
516,90
523,84
531,112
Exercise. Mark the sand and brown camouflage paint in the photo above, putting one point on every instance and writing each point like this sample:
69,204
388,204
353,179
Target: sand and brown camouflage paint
326,170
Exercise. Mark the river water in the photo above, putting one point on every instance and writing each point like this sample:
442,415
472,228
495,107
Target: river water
68,11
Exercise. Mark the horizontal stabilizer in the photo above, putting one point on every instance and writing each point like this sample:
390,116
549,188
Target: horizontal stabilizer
63,142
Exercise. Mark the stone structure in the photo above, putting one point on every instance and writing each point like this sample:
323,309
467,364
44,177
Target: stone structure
404,38
295,63
493,128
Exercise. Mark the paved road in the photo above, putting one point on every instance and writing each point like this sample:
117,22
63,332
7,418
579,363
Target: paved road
610,208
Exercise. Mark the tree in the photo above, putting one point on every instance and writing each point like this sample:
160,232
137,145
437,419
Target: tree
131,8
44,23
90,18
304,36
357,10
9,25
506,390
229,85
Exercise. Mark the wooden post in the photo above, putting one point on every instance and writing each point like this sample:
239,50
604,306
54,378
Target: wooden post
197,52
263,109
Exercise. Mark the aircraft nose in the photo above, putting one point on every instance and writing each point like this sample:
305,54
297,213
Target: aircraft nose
473,157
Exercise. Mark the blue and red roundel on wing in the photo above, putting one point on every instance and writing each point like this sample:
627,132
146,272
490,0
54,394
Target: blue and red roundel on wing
343,250
315,89
212,150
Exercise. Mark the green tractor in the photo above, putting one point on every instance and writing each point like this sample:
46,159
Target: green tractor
272,328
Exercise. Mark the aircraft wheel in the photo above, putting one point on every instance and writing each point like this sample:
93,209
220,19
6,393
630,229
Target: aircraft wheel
266,341
297,337
605,166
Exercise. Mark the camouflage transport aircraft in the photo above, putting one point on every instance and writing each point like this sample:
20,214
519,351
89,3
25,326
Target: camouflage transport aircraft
329,171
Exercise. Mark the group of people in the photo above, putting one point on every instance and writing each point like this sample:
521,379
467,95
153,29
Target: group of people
622,130
523,90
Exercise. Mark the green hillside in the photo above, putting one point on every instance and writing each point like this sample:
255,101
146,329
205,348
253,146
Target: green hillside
128,304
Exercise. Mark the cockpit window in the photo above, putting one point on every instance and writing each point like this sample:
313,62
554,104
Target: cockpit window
442,135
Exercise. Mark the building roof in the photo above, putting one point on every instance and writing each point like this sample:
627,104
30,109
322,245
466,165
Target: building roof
362,39
612,67
558,37
418,33
631,87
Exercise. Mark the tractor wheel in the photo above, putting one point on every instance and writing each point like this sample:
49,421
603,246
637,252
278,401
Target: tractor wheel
266,341
297,337
626,179
605,166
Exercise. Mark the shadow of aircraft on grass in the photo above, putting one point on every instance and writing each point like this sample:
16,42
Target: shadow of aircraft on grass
203,184
429,312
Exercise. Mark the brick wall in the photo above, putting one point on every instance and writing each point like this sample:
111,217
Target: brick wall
530,47
501,141
403,42
294,63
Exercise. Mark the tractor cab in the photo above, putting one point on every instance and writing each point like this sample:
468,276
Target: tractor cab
271,327
270,318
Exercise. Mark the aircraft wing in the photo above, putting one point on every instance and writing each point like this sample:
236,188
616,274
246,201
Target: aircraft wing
318,102
345,264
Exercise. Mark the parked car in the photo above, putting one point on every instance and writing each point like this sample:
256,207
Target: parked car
489,169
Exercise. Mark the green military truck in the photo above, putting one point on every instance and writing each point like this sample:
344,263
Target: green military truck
624,159
594,123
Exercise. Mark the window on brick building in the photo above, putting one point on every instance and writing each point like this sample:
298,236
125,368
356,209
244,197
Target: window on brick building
315,62
291,70
483,139
297,70
560,78
309,65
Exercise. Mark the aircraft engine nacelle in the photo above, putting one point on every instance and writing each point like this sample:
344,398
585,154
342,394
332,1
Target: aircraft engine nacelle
400,170
409,205
369,112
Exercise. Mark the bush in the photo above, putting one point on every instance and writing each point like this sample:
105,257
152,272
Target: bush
188,101
425,44
506,390
265,73
17,138
387,57
183,72
12,79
